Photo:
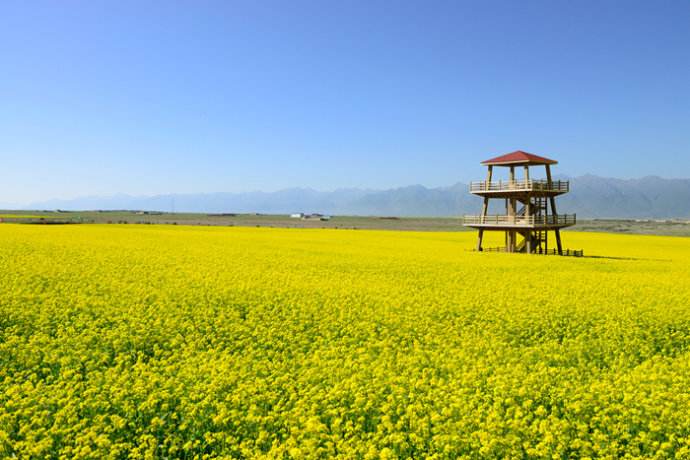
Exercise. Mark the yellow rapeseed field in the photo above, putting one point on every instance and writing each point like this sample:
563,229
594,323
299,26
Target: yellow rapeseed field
127,341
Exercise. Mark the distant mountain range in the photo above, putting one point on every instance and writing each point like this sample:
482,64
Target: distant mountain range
590,197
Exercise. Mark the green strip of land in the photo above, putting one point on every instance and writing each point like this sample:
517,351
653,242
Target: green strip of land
645,227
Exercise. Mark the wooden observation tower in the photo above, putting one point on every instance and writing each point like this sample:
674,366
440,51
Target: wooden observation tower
530,205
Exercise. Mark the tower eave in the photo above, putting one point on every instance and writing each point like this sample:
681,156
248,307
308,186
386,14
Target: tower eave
519,158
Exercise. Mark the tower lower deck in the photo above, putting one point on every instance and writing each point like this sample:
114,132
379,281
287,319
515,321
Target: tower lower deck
517,222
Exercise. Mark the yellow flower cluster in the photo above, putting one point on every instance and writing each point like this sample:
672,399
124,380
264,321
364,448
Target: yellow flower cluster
194,342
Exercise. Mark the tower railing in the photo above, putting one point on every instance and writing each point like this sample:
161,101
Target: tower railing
540,185
527,221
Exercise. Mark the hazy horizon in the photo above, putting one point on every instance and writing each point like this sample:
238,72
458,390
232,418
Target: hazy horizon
23,205
590,197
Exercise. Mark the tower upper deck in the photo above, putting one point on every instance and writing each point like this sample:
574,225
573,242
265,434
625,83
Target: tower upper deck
512,188
516,188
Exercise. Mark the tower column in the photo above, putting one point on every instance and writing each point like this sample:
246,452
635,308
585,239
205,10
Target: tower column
528,213
485,208
553,210
512,211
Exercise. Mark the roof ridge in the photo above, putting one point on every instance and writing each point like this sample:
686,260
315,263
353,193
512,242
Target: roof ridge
519,157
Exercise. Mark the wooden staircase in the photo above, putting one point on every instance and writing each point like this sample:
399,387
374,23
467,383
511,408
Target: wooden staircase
538,209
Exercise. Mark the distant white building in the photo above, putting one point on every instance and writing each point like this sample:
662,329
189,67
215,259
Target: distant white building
312,216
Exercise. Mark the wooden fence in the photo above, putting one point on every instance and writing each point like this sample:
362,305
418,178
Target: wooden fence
541,185
560,219
553,251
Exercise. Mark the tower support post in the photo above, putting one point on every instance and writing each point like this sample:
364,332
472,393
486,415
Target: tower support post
485,208
512,213
553,210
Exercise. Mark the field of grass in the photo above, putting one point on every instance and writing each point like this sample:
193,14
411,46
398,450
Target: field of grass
21,216
122,341
255,220
676,227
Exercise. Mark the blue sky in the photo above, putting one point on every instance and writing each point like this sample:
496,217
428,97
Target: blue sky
146,97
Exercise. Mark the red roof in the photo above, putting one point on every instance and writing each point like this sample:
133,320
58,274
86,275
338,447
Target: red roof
519,158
